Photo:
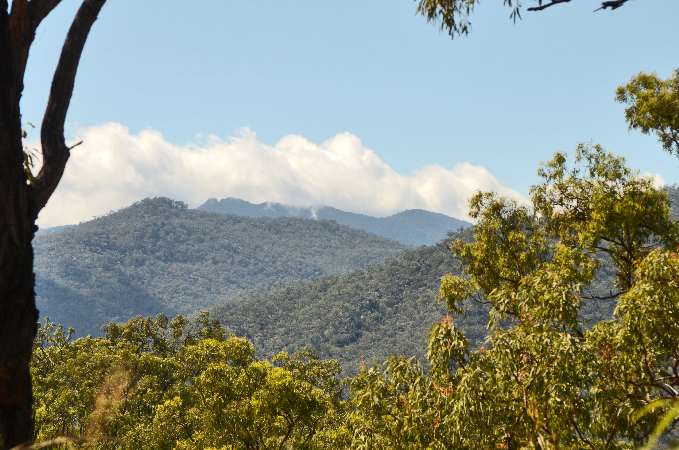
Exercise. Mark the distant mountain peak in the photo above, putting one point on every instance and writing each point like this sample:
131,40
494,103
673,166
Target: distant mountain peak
410,227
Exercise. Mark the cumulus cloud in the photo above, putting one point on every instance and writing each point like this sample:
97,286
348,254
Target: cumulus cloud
114,168
657,179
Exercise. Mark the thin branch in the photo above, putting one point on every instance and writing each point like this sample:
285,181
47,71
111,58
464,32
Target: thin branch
610,296
75,145
542,6
54,149
611,4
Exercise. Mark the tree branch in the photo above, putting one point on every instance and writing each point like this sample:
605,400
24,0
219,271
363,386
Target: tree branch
54,149
39,9
610,4
24,20
542,6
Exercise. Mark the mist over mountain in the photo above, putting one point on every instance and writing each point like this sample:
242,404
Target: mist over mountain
411,227
158,256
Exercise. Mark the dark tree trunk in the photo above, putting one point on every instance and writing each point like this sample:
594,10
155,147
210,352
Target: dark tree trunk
18,315
20,202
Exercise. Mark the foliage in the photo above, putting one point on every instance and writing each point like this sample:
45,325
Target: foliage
370,314
453,16
546,372
159,383
543,378
653,107
158,256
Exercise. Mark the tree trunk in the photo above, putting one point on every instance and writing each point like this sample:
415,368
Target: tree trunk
21,203
18,317
18,314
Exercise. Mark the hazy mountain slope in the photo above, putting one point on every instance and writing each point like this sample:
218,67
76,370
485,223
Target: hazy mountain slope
413,227
365,315
157,256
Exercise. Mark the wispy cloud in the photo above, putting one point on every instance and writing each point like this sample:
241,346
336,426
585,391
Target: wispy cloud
114,168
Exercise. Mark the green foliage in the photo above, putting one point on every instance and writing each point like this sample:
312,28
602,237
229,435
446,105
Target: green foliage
545,372
157,256
653,107
387,309
453,16
544,378
156,383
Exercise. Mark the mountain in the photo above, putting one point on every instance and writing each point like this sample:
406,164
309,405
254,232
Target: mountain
157,256
369,314
365,315
412,227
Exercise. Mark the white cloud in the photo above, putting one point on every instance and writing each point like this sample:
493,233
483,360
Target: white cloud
657,179
114,168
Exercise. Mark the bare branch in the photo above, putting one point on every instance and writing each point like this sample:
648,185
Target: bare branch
54,148
542,6
611,4
608,4
75,145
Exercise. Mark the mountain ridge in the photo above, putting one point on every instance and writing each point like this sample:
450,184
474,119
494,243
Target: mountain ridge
412,227
158,256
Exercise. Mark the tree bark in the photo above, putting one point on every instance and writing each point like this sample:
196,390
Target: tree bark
20,202
18,315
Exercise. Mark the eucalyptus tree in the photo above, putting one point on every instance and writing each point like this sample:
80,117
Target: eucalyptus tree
544,379
653,107
22,197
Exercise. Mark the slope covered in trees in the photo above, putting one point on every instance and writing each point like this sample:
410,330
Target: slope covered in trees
157,256
369,314
411,227
542,376
365,315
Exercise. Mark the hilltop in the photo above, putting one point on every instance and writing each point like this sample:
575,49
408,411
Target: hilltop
158,256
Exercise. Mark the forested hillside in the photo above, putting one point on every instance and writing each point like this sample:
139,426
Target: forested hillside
365,315
370,314
411,227
157,256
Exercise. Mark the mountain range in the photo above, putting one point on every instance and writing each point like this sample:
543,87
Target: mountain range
158,256
412,227
284,282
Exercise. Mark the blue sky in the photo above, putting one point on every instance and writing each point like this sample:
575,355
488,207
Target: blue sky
505,98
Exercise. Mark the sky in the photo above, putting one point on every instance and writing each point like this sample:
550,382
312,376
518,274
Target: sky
356,104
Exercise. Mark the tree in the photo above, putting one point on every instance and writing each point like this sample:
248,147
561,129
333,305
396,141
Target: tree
544,379
159,383
653,107
22,199
454,15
